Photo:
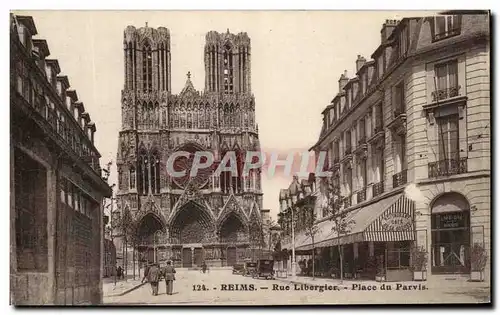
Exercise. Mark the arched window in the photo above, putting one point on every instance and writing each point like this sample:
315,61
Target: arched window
155,172
450,224
156,115
207,117
131,178
143,178
213,62
228,69
147,68
227,116
150,116
189,121
163,66
225,177
239,180
130,70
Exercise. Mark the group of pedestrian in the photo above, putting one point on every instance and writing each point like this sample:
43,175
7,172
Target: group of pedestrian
153,273
119,273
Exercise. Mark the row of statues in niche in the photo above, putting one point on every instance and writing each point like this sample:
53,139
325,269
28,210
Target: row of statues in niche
149,118
206,119
193,119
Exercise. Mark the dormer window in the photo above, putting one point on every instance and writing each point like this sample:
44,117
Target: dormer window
446,26
404,41
23,34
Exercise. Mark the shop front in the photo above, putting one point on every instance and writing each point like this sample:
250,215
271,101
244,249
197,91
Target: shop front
451,234
379,243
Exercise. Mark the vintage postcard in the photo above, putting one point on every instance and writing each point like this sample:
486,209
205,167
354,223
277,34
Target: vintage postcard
250,157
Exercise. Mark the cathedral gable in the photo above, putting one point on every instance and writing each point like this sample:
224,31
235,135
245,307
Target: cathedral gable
232,206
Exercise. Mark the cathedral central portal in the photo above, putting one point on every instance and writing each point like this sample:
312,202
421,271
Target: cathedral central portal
188,219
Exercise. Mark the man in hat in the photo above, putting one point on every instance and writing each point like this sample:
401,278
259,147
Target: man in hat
168,273
153,275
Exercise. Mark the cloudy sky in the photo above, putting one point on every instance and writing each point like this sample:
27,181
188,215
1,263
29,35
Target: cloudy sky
297,58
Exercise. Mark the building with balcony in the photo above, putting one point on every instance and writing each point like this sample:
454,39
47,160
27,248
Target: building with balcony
408,145
56,185
297,203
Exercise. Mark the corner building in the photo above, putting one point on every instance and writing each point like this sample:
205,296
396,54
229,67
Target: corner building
408,142
188,219
56,188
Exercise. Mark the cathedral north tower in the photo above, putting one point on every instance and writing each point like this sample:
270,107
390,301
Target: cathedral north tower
227,63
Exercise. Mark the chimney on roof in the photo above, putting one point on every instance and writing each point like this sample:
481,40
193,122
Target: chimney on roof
387,29
343,80
360,62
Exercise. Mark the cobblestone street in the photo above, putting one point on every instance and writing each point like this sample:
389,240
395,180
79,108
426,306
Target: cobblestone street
195,288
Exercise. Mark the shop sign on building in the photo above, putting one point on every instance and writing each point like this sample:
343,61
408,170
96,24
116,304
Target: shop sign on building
396,221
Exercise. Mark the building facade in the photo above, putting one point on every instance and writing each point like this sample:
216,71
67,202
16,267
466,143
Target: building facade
187,219
109,259
408,144
56,184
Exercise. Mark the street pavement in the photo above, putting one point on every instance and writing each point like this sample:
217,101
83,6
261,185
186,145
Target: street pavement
221,287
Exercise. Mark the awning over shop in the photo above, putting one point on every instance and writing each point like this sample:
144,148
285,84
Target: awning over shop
389,219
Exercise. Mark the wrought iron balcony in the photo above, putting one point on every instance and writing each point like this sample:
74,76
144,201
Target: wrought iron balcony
347,202
449,33
378,128
377,138
448,167
337,204
446,93
378,188
398,123
400,178
335,167
399,111
361,195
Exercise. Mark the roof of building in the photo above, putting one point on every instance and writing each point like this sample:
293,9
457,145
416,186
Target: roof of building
28,22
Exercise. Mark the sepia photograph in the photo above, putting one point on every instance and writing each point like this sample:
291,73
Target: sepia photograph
320,157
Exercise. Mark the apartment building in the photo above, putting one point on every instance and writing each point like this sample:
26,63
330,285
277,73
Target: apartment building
408,144
55,184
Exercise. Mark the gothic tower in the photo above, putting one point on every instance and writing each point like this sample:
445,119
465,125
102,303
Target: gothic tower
187,219
227,63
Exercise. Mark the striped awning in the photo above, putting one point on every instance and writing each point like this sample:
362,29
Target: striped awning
386,220
394,224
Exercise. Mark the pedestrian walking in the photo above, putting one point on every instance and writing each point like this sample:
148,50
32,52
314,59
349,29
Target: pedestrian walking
153,277
146,271
119,272
168,273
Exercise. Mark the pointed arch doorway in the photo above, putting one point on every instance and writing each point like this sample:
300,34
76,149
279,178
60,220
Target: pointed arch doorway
151,235
232,232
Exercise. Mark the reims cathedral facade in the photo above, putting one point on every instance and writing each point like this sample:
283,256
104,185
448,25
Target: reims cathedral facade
208,218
